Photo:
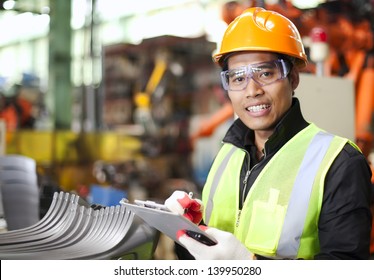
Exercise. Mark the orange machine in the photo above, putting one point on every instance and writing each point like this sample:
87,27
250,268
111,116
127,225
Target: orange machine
16,111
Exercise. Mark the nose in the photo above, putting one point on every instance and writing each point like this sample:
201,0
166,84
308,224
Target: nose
253,89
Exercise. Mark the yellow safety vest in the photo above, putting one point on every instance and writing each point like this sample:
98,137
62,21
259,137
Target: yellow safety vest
279,218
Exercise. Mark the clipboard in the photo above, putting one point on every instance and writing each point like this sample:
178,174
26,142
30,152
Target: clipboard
167,222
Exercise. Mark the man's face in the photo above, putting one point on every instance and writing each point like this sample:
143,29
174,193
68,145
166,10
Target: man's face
261,107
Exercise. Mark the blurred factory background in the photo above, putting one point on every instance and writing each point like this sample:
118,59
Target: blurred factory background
117,98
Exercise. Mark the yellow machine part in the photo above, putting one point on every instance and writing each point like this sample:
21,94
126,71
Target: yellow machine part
71,154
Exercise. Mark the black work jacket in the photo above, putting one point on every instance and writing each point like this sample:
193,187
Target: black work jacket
345,220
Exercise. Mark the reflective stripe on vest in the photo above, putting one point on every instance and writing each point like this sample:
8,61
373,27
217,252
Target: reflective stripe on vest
293,226
209,205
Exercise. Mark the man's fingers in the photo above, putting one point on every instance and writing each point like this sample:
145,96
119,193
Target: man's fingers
181,203
173,202
196,205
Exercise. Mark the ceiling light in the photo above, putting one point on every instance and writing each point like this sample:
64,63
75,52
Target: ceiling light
9,5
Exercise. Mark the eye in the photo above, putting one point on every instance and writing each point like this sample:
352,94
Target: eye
264,72
237,79
237,76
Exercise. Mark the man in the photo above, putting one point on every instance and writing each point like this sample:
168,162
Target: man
280,187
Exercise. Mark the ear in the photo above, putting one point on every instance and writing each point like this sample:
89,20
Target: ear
294,78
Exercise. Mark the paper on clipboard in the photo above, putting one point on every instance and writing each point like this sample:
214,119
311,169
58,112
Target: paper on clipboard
166,222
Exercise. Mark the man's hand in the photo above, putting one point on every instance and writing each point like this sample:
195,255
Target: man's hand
181,203
228,247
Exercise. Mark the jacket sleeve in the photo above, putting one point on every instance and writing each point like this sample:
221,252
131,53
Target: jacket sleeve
345,219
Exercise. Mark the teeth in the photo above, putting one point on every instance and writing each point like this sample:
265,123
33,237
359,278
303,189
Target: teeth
257,108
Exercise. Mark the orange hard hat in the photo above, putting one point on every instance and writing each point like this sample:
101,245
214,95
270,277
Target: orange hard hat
257,29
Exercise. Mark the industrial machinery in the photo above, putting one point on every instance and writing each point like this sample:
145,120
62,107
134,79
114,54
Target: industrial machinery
156,87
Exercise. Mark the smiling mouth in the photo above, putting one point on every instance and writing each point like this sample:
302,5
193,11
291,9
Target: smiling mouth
258,108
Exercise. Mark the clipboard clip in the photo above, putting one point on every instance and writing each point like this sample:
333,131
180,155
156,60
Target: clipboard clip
151,204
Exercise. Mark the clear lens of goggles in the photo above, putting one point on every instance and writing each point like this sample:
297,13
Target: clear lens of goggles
264,73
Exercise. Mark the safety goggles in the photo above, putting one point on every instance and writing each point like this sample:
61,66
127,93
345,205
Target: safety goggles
264,73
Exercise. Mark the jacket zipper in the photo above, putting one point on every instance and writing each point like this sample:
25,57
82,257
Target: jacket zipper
245,182
243,192
248,172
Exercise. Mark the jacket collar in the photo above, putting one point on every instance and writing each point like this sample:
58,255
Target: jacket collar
292,122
